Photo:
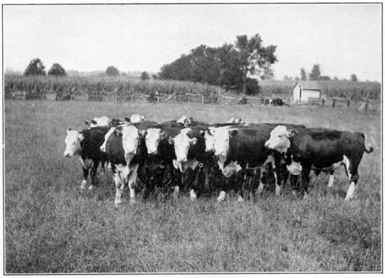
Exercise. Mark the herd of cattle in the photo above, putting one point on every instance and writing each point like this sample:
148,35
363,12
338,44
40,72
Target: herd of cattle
202,158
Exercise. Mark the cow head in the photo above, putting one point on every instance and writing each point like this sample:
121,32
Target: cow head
72,142
222,137
279,139
182,144
130,140
102,121
209,140
153,137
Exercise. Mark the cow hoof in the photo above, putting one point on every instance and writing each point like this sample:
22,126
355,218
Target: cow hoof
118,204
240,200
91,187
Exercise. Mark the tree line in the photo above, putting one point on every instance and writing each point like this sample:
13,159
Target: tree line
229,66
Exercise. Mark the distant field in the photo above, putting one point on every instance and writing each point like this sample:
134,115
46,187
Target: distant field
123,85
51,227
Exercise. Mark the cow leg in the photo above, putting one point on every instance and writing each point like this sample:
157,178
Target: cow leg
119,185
261,185
85,177
352,171
221,197
132,182
93,174
305,182
331,179
193,195
207,178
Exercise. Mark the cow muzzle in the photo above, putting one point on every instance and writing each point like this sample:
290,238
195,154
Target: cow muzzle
129,157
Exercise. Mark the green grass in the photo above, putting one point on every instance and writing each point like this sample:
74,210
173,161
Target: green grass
51,227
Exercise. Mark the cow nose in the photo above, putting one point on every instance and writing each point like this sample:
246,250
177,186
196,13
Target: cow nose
267,144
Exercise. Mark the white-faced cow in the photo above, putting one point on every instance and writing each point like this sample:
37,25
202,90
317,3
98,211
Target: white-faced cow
321,150
126,152
86,144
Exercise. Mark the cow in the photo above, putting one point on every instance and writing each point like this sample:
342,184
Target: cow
102,121
243,148
126,151
136,118
161,154
321,150
86,144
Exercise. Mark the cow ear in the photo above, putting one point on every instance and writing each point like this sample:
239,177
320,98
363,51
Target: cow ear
93,122
193,141
127,119
68,130
233,132
118,132
171,140
292,132
202,132
87,122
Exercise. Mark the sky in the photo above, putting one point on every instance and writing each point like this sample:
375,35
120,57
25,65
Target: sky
344,39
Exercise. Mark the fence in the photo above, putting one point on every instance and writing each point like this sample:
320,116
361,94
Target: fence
131,96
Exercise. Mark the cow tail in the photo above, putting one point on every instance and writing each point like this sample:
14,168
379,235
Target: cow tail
370,148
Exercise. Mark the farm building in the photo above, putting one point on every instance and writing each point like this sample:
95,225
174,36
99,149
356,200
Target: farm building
303,90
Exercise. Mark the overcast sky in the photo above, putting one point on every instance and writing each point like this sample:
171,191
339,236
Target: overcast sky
342,38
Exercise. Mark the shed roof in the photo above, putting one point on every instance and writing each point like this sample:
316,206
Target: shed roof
309,85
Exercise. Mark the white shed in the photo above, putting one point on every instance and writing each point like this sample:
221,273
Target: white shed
303,90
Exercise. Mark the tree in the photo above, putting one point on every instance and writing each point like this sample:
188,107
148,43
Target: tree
144,76
35,67
303,74
57,70
112,71
353,78
254,58
315,72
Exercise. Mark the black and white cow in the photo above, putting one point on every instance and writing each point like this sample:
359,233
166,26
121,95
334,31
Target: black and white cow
321,150
126,151
161,153
86,144
243,148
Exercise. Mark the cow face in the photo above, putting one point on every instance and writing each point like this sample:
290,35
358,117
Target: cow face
130,140
72,142
152,140
209,140
279,139
182,145
222,142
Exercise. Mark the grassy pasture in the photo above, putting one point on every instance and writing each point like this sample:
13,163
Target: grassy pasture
51,227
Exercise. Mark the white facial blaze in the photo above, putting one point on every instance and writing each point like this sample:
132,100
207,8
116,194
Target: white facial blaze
152,140
182,145
72,142
209,142
221,142
130,139
278,140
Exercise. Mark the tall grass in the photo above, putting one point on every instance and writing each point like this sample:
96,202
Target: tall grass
51,227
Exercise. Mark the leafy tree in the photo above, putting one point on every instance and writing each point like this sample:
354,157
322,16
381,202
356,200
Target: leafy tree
303,74
112,71
57,70
253,57
353,78
144,76
35,67
315,72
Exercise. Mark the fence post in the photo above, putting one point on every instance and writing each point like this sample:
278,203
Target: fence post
203,99
334,102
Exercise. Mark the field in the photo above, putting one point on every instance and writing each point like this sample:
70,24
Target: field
51,227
